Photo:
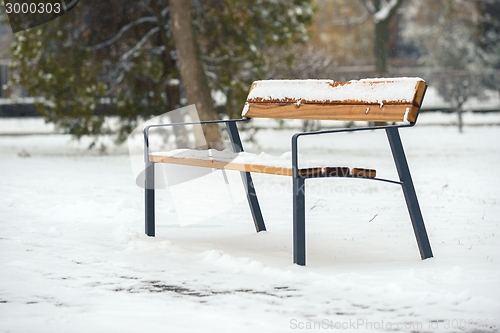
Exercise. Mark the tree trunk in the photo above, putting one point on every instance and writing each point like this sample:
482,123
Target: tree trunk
381,47
460,118
460,122
173,102
382,14
193,76
172,88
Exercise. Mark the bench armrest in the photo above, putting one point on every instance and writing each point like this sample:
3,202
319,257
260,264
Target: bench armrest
296,136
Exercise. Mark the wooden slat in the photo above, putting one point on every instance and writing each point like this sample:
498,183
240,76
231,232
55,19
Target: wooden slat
367,173
367,112
419,94
215,164
274,170
374,100
311,172
337,172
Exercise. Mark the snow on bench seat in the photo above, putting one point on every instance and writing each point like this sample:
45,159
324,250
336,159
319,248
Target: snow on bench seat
260,163
384,99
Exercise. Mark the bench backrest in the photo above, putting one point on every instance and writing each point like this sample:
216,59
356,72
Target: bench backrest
385,99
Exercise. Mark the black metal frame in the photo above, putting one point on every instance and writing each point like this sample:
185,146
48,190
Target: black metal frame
405,180
149,179
299,186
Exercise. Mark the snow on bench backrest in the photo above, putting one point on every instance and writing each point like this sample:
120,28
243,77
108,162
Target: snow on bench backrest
384,99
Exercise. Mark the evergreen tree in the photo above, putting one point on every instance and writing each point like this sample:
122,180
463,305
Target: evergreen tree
119,57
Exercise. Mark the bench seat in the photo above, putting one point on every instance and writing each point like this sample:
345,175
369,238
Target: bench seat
260,163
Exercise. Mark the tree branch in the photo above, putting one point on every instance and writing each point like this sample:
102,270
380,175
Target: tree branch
369,6
137,46
386,10
121,32
122,65
351,21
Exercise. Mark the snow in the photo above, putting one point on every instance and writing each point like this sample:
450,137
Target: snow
19,126
74,256
245,110
405,119
372,91
434,101
383,13
227,155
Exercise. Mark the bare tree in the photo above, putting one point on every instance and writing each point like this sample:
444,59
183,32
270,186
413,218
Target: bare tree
457,89
381,12
459,40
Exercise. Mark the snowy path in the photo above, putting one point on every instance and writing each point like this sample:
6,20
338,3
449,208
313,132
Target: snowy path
74,256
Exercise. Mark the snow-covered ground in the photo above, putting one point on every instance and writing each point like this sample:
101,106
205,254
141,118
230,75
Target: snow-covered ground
74,257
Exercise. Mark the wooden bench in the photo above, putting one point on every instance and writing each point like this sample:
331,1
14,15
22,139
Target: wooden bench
393,100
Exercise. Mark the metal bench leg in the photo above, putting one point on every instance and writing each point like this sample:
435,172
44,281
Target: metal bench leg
409,193
149,191
253,202
246,177
299,225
